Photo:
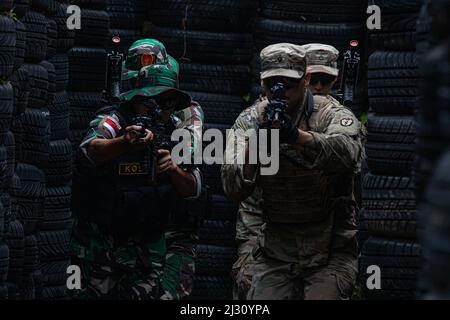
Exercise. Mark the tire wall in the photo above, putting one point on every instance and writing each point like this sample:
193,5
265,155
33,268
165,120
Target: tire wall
389,201
35,219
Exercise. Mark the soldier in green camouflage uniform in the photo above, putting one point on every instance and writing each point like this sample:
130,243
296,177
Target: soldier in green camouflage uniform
306,248
157,265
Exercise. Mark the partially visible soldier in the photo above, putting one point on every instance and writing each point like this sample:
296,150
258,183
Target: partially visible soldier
303,250
322,65
122,215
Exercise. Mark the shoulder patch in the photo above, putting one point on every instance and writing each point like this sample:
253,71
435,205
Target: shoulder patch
347,122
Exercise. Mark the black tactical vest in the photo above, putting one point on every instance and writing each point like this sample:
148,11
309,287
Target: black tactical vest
120,198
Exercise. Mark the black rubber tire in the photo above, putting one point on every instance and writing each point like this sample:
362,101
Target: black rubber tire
51,72
7,46
398,6
206,47
3,165
55,293
6,108
219,108
54,244
83,108
82,59
338,35
95,29
218,233
52,37
12,188
39,84
398,32
66,37
223,79
10,147
37,41
393,78
21,7
13,291
212,178
91,4
36,136
31,196
211,15
6,5
21,40
214,260
222,209
400,263
319,11
54,272
212,288
31,254
59,169
4,262
390,206
126,14
57,212
59,110
20,81
16,244
75,137
2,215
390,144
61,63
17,130
27,288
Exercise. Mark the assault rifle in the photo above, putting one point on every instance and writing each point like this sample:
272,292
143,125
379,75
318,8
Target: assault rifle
277,107
350,74
162,134
113,73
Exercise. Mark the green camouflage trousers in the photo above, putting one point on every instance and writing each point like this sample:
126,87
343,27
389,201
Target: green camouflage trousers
278,280
162,269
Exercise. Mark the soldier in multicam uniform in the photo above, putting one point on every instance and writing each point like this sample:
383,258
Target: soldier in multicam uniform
306,248
123,241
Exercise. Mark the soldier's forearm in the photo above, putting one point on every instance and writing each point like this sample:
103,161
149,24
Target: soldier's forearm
104,150
184,183
304,138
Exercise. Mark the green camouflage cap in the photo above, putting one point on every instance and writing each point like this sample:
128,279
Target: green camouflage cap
146,52
322,58
283,60
160,80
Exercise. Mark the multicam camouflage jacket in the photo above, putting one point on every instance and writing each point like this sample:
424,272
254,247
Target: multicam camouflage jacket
336,150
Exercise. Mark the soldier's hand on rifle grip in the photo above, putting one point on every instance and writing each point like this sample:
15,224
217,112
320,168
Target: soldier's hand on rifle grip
289,133
165,162
133,133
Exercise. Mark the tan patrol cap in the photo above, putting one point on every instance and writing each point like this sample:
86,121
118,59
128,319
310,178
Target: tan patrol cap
283,60
322,58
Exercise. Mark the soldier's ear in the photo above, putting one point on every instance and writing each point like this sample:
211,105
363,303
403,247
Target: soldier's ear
307,78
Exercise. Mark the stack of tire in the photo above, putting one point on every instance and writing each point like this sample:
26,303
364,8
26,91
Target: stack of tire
300,22
126,20
212,40
388,189
26,147
87,68
8,65
56,223
433,165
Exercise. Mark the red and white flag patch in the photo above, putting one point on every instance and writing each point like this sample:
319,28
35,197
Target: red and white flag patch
112,126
